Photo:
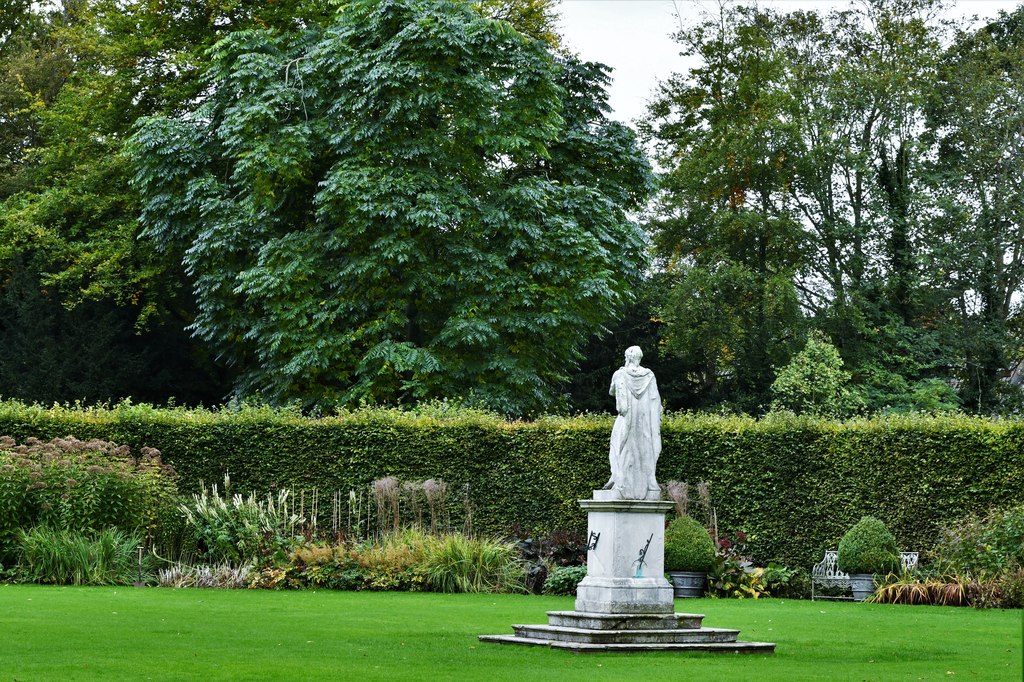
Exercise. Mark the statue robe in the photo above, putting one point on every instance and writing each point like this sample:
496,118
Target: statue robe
636,435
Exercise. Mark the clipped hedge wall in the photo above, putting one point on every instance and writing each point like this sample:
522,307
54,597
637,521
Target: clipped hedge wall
794,485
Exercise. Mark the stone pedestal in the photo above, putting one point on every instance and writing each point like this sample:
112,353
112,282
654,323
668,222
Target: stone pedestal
625,603
625,562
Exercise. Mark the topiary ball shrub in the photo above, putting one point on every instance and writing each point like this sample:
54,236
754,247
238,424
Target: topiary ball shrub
688,547
868,547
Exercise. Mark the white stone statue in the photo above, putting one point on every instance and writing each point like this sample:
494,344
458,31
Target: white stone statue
636,435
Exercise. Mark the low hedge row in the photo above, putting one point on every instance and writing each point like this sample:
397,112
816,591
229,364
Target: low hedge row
794,485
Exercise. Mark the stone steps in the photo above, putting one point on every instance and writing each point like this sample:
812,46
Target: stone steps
581,647
584,632
554,633
625,621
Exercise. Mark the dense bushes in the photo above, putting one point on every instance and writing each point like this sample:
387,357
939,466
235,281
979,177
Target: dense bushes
983,546
81,486
979,561
793,484
409,559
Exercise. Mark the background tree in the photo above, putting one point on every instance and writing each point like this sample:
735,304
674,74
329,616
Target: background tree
976,238
724,224
814,382
798,192
82,72
415,201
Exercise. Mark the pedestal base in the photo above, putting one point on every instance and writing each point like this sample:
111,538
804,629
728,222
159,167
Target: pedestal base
625,561
595,632
624,595
625,603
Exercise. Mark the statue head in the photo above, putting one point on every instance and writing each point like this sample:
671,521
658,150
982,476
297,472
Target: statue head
633,356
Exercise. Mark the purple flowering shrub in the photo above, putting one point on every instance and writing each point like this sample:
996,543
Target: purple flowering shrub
81,486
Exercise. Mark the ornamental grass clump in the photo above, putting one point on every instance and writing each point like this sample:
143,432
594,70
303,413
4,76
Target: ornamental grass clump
688,547
868,547
460,563
65,557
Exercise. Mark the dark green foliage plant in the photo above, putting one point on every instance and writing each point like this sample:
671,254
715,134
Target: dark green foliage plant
688,547
564,580
983,545
83,486
785,582
544,554
69,557
868,547
315,193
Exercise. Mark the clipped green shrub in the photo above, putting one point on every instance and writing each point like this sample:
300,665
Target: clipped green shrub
82,486
794,484
688,547
563,580
65,557
868,547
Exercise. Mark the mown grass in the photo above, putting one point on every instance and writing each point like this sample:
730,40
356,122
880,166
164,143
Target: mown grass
102,633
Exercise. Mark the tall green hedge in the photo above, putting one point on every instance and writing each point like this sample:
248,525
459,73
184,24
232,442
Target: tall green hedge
794,485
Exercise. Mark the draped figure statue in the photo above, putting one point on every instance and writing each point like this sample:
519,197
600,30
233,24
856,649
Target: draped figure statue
636,435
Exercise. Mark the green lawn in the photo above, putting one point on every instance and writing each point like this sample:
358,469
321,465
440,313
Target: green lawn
63,633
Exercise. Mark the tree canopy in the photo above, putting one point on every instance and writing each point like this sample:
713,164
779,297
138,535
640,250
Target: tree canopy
347,202
849,172
411,201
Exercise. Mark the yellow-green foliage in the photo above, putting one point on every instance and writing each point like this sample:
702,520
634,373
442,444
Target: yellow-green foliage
794,484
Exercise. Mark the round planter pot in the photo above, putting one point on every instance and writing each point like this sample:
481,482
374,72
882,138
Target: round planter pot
687,583
862,585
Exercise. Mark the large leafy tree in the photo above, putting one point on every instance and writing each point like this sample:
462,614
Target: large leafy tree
796,172
413,201
724,223
74,77
976,236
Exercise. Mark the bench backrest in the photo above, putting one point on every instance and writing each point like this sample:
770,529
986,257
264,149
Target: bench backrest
829,566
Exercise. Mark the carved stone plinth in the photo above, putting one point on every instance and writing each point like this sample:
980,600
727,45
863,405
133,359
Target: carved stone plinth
625,562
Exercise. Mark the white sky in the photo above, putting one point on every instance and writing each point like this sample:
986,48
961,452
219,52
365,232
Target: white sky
633,37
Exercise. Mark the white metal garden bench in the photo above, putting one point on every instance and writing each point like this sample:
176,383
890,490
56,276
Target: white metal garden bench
826,573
